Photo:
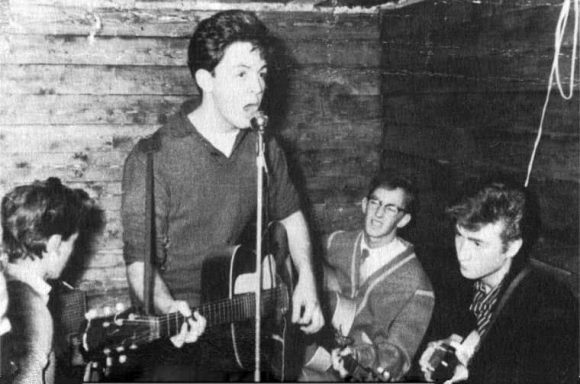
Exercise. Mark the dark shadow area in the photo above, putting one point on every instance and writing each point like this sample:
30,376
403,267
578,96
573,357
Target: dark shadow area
69,305
92,226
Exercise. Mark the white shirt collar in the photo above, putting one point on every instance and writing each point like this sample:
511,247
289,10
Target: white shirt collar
17,272
378,257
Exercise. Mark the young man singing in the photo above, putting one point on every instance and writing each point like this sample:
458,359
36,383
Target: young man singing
205,186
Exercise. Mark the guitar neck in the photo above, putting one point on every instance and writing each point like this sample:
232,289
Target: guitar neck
240,307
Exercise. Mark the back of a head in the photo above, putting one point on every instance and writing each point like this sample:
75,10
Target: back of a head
34,212
216,33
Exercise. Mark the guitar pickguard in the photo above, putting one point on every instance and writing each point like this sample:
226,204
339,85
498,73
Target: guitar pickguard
246,282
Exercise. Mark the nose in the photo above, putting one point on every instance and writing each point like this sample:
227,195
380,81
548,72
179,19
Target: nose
462,248
380,211
257,84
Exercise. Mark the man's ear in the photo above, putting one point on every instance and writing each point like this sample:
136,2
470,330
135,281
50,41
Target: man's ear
53,243
404,220
364,205
514,247
204,80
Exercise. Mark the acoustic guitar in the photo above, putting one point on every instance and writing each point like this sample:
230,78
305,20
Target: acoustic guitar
228,281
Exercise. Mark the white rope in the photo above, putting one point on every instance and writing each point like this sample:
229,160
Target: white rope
555,71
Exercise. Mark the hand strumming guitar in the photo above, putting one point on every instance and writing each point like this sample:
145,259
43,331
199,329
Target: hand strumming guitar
306,309
463,351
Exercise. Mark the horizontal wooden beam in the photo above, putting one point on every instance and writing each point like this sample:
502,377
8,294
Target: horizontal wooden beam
44,79
160,22
66,49
152,110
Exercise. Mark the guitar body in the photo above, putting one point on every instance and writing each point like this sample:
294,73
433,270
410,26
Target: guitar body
228,304
231,272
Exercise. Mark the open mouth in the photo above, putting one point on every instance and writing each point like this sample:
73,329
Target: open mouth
251,108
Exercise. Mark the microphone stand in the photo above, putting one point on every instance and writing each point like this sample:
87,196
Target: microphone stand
259,123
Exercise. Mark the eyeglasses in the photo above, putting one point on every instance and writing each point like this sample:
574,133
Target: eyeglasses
391,209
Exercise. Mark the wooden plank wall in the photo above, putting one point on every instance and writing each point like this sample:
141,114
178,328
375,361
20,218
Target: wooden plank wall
80,82
464,84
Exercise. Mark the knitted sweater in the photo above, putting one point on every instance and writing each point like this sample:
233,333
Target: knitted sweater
392,308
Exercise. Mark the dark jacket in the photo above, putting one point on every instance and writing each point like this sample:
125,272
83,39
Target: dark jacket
534,338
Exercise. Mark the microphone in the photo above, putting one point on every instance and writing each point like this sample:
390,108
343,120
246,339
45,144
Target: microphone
259,121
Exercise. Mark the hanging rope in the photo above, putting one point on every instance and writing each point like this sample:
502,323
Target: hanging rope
555,71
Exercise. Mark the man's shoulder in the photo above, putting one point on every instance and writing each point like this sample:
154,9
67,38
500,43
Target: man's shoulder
342,238
542,284
174,130
540,296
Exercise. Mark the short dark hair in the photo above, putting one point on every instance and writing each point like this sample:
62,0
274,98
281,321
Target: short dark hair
216,33
490,203
34,212
391,181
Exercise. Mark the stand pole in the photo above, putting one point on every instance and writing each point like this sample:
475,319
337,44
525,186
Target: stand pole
260,165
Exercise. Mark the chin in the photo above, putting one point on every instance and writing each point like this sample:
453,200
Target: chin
468,275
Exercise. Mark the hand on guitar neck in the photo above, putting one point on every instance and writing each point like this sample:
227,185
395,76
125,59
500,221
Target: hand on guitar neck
191,329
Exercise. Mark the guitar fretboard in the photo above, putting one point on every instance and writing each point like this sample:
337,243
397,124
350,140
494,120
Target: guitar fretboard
240,307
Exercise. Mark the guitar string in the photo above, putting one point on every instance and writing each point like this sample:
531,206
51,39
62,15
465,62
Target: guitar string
177,317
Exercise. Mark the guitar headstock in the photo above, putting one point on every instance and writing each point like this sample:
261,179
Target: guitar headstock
114,332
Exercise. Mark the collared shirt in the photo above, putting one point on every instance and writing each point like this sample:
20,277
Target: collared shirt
378,257
20,273
483,305
203,200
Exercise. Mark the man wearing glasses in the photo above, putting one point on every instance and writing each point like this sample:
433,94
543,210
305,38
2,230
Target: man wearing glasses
384,299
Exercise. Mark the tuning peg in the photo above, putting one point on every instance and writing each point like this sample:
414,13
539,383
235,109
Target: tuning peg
123,359
107,351
107,311
383,373
91,314
133,346
120,349
119,307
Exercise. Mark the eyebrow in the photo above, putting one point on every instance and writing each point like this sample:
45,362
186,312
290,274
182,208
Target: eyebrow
246,66
471,238
374,197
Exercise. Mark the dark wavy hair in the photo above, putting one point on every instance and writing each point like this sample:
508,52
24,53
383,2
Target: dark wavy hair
32,213
493,202
391,181
216,33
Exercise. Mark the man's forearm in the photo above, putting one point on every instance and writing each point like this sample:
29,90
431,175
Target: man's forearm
162,299
299,244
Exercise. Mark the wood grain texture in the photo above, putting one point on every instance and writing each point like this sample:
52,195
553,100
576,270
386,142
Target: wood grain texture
43,79
464,85
82,82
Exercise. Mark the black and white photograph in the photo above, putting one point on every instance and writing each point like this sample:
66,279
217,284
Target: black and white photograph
289,191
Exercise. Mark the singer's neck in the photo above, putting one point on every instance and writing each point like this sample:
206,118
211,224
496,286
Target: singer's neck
210,122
